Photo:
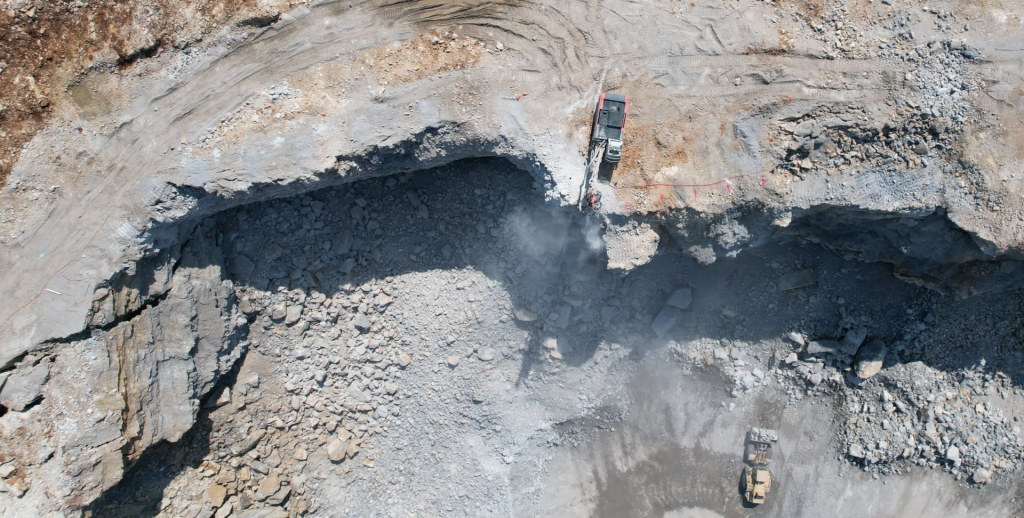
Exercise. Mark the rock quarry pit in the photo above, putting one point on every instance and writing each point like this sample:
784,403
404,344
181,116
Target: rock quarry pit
273,260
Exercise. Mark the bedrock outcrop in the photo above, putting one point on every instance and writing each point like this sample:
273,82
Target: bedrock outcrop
886,145
130,382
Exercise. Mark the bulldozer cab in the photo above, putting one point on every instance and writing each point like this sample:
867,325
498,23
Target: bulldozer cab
758,483
761,476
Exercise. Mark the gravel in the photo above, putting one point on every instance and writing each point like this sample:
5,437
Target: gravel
383,376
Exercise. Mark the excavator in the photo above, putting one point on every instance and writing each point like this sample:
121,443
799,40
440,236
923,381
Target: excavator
609,121
605,142
757,480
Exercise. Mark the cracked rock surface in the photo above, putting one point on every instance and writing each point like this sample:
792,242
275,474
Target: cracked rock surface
485,358
170,219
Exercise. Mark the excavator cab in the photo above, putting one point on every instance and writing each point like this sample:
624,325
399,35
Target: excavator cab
614,152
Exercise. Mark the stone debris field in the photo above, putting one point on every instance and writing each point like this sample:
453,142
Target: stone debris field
343,259
424,352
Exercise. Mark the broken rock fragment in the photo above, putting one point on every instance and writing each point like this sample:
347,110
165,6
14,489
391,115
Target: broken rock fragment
243,446
224,512
666,320
15,485
217,493
796,338
823,348
352,449
292,314
362,322
268,486
24,387
404,360
870,358
524,315
981,476
243,265
280,496
336,450
953,455
853,339
264,512
681,298
856,451
563,314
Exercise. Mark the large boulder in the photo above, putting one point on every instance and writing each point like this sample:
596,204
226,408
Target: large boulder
822,348
25,386
853,340
264,512
666,320
630,244
870,358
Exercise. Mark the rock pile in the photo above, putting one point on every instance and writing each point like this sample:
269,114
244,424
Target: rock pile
960,422
326,317
339,362
367,317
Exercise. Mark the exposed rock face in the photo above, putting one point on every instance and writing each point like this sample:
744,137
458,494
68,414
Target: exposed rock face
125,362
112,395
630,245
25,386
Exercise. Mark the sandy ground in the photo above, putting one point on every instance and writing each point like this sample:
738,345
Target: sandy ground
679,455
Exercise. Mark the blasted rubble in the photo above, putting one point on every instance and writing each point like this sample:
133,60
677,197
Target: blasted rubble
898,147
442,311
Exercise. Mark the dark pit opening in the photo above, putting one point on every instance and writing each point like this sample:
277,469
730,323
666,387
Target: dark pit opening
462,341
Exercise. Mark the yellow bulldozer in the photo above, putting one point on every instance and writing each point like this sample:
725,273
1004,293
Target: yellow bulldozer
757,480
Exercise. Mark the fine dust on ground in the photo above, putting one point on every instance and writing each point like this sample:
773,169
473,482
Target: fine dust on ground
679,455
452,346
